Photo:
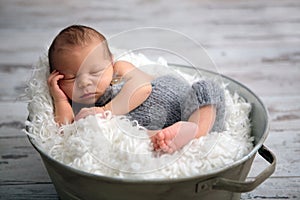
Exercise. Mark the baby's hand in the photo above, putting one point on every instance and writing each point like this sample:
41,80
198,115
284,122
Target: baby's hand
84,112
174,137
55,91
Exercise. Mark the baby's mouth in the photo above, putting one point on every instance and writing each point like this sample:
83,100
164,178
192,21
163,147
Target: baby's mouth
88,95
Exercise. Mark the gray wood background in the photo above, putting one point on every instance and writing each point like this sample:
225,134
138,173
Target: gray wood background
256,42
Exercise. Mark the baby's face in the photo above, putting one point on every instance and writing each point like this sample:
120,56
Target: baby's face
87,72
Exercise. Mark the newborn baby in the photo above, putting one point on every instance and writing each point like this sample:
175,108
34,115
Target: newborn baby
85,80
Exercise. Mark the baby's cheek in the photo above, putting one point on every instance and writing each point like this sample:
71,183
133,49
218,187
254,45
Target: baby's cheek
68,89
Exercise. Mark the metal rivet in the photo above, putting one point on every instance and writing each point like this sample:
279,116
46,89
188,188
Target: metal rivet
204,187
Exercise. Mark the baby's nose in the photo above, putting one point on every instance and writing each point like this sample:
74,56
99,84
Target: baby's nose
84,81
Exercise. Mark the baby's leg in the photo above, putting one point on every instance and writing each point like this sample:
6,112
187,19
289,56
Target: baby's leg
175,136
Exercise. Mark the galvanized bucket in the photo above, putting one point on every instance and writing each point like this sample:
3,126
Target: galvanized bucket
224,184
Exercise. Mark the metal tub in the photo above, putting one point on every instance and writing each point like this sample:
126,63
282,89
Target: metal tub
225,183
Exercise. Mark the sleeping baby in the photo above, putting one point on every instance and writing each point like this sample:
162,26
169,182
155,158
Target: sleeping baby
85,80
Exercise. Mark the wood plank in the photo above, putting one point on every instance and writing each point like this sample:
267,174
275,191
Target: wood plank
215,23
13,114
13,90
284,113
19,161
285,146
276,189
35,191
266,80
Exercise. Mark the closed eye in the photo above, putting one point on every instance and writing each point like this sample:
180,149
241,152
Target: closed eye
69,78
97,72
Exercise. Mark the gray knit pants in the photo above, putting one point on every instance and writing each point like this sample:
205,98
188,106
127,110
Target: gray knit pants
172,100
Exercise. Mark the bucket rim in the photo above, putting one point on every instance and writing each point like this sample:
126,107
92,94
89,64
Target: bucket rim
212,173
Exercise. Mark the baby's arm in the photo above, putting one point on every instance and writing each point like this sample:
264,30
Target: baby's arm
63,112
135,91
179,134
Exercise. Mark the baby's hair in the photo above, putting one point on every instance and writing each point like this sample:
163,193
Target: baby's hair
75,35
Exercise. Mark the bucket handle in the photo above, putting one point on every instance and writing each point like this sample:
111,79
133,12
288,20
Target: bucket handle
241,186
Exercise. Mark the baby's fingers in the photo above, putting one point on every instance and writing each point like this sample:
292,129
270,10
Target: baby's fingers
51,76
84,112
54,77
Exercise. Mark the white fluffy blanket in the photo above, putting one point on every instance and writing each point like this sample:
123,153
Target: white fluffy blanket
116,147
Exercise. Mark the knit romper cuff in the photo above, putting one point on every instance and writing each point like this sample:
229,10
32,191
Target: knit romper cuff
208,92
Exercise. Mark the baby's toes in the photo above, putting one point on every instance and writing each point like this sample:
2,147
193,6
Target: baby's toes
153,139
163,145
171,145
168,135
161,142
155,143
170,150
155,146
160,136
165,148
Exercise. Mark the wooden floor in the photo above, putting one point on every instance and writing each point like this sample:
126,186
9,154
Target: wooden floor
256,42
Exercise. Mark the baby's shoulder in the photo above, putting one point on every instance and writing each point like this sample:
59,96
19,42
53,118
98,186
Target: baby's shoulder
122,67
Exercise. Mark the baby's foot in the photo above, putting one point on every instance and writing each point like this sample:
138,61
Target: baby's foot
175,136
164,140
